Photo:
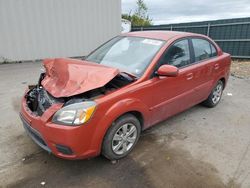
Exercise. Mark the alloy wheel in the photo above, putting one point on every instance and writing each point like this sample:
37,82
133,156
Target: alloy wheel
217,93
124,138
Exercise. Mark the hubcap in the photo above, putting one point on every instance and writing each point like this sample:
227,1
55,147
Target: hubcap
217,93
124,138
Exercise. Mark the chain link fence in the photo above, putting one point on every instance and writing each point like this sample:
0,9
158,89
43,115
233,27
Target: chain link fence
232,35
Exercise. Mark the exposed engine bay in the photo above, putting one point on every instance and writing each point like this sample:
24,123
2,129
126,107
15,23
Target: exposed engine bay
39,100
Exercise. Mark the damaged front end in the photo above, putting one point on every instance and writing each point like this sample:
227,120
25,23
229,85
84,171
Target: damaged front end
39,100
40,97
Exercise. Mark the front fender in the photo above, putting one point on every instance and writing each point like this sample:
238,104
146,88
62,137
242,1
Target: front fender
128,105
115,111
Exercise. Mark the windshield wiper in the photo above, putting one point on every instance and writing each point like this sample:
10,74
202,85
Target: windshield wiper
132,76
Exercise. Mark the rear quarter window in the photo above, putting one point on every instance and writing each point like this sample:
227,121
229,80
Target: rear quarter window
214,51
203,49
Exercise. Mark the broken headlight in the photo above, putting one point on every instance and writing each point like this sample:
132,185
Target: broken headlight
75,114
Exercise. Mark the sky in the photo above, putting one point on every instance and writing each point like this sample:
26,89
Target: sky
179,11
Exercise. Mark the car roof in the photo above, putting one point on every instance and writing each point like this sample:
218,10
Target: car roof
161,35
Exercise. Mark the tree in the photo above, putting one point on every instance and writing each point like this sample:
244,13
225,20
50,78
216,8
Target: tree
141,10
140,16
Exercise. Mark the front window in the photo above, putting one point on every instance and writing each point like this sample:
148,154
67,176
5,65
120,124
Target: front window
177,55
128,54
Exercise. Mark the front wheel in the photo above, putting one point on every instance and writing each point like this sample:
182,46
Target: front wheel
121,137
215,96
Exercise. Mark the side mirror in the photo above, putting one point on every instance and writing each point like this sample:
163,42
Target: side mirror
168,70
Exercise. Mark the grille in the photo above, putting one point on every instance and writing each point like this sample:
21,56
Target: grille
35,135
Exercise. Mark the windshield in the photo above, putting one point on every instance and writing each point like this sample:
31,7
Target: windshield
128,54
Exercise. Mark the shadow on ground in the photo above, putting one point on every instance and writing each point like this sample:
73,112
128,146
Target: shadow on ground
153,163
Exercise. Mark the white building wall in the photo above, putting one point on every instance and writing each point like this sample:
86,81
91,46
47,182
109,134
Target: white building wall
37,29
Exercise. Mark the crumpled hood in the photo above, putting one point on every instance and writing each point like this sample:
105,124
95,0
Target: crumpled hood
67,77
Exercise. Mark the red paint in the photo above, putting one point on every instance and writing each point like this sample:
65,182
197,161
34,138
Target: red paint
155,98
168,70
68,77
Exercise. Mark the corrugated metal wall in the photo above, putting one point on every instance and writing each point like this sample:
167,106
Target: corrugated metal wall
36,29
232,35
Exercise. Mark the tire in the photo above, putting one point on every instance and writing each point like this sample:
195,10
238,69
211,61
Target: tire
215,95
116,143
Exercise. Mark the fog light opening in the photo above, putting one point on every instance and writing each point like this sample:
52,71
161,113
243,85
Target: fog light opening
64,149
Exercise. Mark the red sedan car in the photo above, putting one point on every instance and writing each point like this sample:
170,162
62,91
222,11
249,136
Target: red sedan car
80,109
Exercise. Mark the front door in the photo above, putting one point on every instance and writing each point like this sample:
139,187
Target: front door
171,95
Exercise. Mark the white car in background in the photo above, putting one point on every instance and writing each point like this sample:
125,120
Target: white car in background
126,26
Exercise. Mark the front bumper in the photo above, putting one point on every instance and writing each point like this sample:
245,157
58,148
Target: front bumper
68,142
35,135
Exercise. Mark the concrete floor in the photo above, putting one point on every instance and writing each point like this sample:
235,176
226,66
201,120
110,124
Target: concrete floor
198,148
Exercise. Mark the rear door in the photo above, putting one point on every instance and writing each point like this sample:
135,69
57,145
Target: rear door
205,62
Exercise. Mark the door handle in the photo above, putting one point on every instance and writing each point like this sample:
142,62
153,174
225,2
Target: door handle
190,76
216,66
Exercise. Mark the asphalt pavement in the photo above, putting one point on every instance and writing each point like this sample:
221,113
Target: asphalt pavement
200,147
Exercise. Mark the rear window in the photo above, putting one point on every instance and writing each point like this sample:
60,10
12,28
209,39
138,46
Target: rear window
203,49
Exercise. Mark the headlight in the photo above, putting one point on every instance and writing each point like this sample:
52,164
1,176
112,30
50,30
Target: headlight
75,114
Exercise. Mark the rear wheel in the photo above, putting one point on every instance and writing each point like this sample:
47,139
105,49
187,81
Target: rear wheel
215,96
121,137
